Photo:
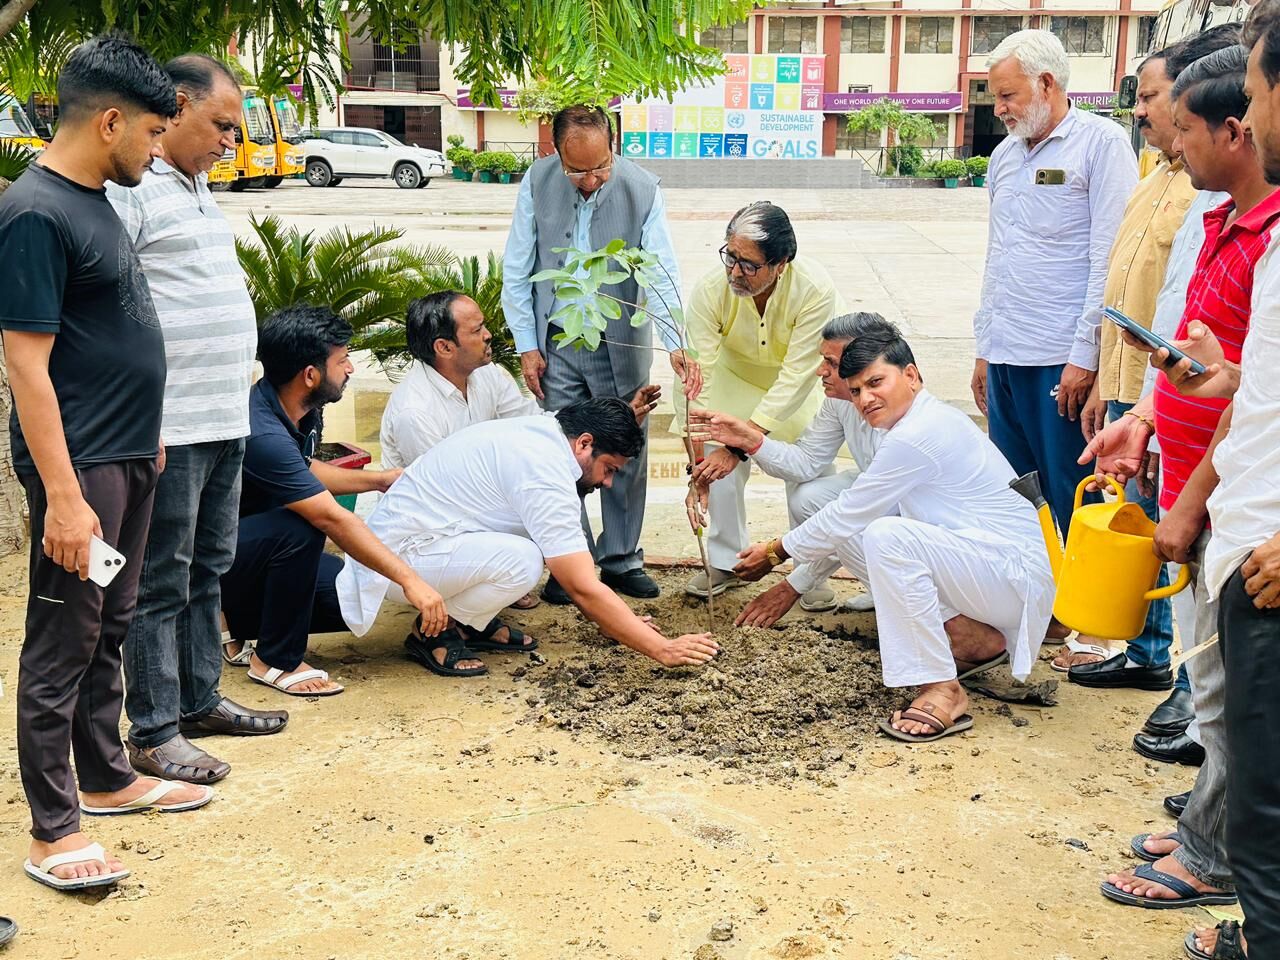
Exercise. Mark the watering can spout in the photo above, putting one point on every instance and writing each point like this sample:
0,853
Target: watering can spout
1029,486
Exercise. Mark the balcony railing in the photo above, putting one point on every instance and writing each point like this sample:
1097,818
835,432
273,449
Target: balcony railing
387,73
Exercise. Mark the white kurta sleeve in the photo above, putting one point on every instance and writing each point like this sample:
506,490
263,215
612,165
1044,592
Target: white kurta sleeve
897,468
510,402
552,515
415,431
813,451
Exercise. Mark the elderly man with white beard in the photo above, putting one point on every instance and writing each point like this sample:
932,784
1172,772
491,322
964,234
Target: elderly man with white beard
1058,187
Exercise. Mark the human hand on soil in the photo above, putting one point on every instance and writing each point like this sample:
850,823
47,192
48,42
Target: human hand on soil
695,505
688,650
753,562
645,400
689,372
717,465
721,428
766,609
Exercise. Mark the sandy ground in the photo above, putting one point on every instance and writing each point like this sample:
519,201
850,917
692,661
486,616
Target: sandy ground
420,817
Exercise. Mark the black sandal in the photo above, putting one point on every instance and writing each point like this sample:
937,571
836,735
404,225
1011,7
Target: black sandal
422,649
1228,946
483,641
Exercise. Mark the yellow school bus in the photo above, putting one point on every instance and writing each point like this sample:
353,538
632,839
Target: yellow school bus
255,143
15,125
288,132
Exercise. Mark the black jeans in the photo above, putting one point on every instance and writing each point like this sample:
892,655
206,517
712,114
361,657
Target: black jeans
69,686
1250,641
280,589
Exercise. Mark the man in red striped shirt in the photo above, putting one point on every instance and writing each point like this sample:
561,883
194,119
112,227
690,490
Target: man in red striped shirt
1191,865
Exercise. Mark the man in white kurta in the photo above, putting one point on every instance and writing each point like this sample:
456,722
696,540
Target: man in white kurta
478,514
453,382
808,467
934,528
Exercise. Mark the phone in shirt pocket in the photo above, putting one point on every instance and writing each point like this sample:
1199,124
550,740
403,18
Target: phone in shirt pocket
1047,177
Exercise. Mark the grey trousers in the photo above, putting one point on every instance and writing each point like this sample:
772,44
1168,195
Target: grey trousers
574,375
1203,825
172,655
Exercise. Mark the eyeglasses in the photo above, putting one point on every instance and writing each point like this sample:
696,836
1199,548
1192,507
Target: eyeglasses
577,176
746,266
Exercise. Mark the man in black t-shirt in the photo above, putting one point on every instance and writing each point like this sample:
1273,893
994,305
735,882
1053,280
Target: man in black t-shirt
86,366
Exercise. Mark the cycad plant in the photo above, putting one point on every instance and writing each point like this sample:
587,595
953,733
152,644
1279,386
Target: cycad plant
14,160
369,279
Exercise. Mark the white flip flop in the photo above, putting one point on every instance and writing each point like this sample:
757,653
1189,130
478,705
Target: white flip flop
272,679
42,872
151,801
1075,646
240,659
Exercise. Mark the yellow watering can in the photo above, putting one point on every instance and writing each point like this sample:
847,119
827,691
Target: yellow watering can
1107,574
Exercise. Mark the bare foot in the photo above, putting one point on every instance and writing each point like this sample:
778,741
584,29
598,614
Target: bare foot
766,609
39,851
1057,632
184,793
947,700
1161,844
1152,890
501,635
317,685
972,641
439,653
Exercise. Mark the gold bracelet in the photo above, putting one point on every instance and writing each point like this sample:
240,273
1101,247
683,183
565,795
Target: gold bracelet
1141,419
771,554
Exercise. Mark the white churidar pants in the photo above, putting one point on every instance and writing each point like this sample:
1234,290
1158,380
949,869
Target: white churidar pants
922,576
478,574
803,501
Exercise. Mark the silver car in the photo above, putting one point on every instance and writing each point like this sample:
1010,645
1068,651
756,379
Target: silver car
335,153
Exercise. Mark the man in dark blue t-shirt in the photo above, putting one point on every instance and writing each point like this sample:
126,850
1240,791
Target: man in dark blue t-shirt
280,589
86,366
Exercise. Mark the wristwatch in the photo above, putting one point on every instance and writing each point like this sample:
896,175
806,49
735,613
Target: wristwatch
771,554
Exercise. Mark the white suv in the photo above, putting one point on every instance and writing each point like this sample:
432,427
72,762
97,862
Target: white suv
334,153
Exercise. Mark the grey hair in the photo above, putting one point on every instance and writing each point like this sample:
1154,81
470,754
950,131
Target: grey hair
851,326
1037,52
767,226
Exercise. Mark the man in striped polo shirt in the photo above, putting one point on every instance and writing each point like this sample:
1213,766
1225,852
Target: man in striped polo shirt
172,660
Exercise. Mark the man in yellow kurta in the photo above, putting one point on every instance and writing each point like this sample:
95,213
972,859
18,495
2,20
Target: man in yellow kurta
756,325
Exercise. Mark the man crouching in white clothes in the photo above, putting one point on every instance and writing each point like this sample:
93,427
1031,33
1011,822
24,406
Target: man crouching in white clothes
479,513
960,574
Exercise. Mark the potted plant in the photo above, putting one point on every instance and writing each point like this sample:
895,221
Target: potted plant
462,158
951,170
507,166
486,163
977,167
346,456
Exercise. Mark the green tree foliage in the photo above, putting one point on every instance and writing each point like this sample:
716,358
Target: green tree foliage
885,114
370,279
592,49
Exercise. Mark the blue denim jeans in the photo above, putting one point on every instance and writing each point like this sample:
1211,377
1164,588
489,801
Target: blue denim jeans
1151,647
172,653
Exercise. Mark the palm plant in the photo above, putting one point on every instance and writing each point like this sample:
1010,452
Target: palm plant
370,280
14,160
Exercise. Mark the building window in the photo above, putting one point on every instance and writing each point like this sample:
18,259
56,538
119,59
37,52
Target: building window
989,31
1081,36
793,34
734,38
1147,34
862,34
929,34
862,140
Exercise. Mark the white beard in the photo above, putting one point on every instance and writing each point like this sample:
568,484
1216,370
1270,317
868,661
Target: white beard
1034,122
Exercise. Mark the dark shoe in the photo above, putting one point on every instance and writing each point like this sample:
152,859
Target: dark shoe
1113,674
179,759
1173,716
1175,805
634,583
1180,749
229,717
555,594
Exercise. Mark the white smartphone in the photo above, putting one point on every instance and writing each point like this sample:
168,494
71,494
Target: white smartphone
105,561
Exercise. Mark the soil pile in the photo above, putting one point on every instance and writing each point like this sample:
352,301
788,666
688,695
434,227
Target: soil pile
791,701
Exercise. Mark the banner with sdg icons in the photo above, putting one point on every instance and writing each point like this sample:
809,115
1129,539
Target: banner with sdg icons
764,106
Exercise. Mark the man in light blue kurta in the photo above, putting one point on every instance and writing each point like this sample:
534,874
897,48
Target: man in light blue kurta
583,196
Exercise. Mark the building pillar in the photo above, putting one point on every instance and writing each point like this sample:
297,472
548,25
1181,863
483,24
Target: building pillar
831,82
480,129
1122,43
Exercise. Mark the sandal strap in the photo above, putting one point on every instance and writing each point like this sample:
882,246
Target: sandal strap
454,645
92,853
1183,889
924,714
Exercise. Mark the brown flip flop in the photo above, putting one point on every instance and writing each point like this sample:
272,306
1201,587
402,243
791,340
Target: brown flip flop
925,714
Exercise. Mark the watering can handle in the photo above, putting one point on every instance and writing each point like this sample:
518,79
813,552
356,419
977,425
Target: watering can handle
1179,583
1080,487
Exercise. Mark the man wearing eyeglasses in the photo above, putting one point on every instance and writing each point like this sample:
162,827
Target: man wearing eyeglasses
584,197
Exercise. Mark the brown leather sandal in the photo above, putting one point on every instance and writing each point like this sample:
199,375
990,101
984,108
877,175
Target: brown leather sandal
926,713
